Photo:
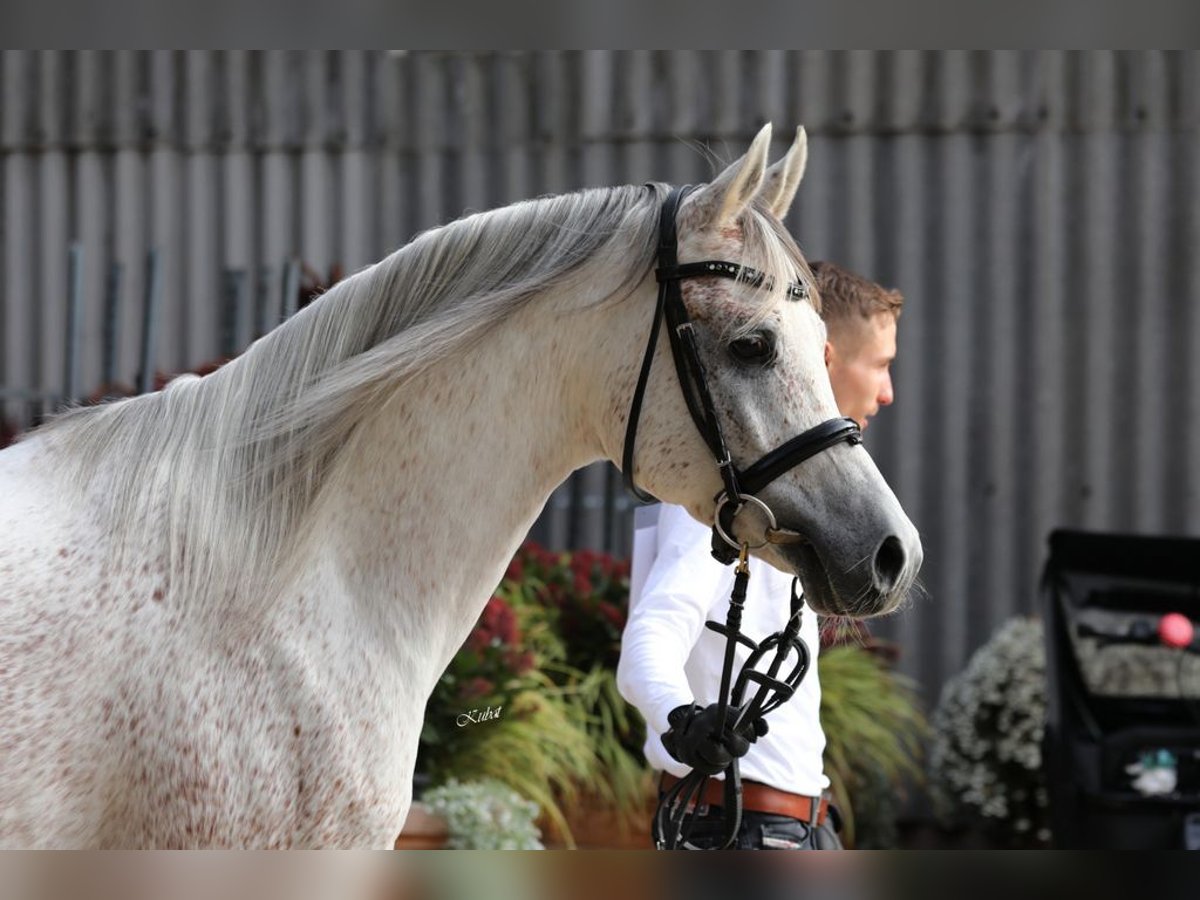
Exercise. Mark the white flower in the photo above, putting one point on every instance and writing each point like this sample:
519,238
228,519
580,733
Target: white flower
986,756
485,815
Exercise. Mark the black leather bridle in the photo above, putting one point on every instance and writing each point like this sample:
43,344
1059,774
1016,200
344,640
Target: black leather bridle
678,807
739,485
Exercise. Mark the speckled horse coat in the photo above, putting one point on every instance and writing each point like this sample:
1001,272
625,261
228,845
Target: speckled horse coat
223,606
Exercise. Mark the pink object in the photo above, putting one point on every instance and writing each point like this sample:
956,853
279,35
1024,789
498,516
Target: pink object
1176,630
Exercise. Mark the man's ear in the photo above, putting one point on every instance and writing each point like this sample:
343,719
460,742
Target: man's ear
828,353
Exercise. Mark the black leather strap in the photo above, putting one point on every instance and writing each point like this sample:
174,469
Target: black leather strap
748,699
635,407
689,367
803,446
721,269
667,240
692,378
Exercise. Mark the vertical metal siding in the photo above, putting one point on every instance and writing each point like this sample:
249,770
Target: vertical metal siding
1040,210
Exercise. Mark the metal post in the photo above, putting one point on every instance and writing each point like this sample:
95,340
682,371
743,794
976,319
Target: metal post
243,325
576,488
612,488
291,287
232,292
264,321
150,305
112,325
74,321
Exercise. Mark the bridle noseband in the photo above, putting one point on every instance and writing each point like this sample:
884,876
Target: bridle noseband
739,485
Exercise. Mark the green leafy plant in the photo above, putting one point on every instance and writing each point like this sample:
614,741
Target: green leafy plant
874,731
485,815
986,759
587,594
496,715
543,656
498,662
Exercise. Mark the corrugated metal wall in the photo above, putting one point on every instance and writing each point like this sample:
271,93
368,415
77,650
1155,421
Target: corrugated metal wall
1040,210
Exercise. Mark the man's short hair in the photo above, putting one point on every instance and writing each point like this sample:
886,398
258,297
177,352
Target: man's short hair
847,298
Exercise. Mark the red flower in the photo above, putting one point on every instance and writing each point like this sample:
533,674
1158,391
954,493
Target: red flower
520,661
582,561
500,622
515,570
552,594
475,688
583,586
497,625
614,616
478,639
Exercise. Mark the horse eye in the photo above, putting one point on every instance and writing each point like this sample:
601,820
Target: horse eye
754,349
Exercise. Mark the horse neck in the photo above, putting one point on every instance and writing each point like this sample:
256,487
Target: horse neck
434,492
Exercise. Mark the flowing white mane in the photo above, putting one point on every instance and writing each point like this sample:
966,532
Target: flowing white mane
243,452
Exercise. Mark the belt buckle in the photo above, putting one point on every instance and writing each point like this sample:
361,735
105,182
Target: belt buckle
821,801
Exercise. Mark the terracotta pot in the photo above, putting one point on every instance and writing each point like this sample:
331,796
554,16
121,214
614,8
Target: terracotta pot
597,826
423,830
601,828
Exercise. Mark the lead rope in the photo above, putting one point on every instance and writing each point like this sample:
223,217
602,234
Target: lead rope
679,807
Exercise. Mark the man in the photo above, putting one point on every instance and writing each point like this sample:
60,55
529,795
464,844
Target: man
670,662
860,319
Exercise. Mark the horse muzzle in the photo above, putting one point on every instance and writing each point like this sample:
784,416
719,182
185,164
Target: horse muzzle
874,585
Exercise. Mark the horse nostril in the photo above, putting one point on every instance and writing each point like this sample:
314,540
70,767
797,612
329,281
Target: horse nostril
889,562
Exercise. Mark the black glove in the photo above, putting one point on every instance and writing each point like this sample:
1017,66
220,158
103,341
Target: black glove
693,739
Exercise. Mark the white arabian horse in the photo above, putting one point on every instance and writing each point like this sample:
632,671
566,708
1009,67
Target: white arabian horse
224,605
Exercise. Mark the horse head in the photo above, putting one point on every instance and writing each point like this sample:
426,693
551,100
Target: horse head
759,339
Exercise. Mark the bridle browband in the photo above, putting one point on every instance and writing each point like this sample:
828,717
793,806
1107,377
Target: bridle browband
739,485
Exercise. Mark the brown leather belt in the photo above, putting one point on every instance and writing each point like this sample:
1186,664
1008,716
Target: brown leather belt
762,798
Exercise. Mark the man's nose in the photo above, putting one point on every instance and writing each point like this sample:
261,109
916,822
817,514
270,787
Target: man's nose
885,390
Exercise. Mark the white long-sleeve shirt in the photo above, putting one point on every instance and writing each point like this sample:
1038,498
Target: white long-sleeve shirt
669,659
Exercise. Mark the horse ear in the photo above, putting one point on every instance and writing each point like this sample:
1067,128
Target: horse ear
722,201
782,179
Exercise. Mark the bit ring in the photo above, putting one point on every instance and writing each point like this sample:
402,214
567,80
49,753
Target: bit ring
743,498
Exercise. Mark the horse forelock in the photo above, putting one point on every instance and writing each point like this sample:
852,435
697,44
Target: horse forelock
768,247
758,240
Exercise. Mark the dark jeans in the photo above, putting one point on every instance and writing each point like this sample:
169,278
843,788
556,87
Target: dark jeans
765,831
